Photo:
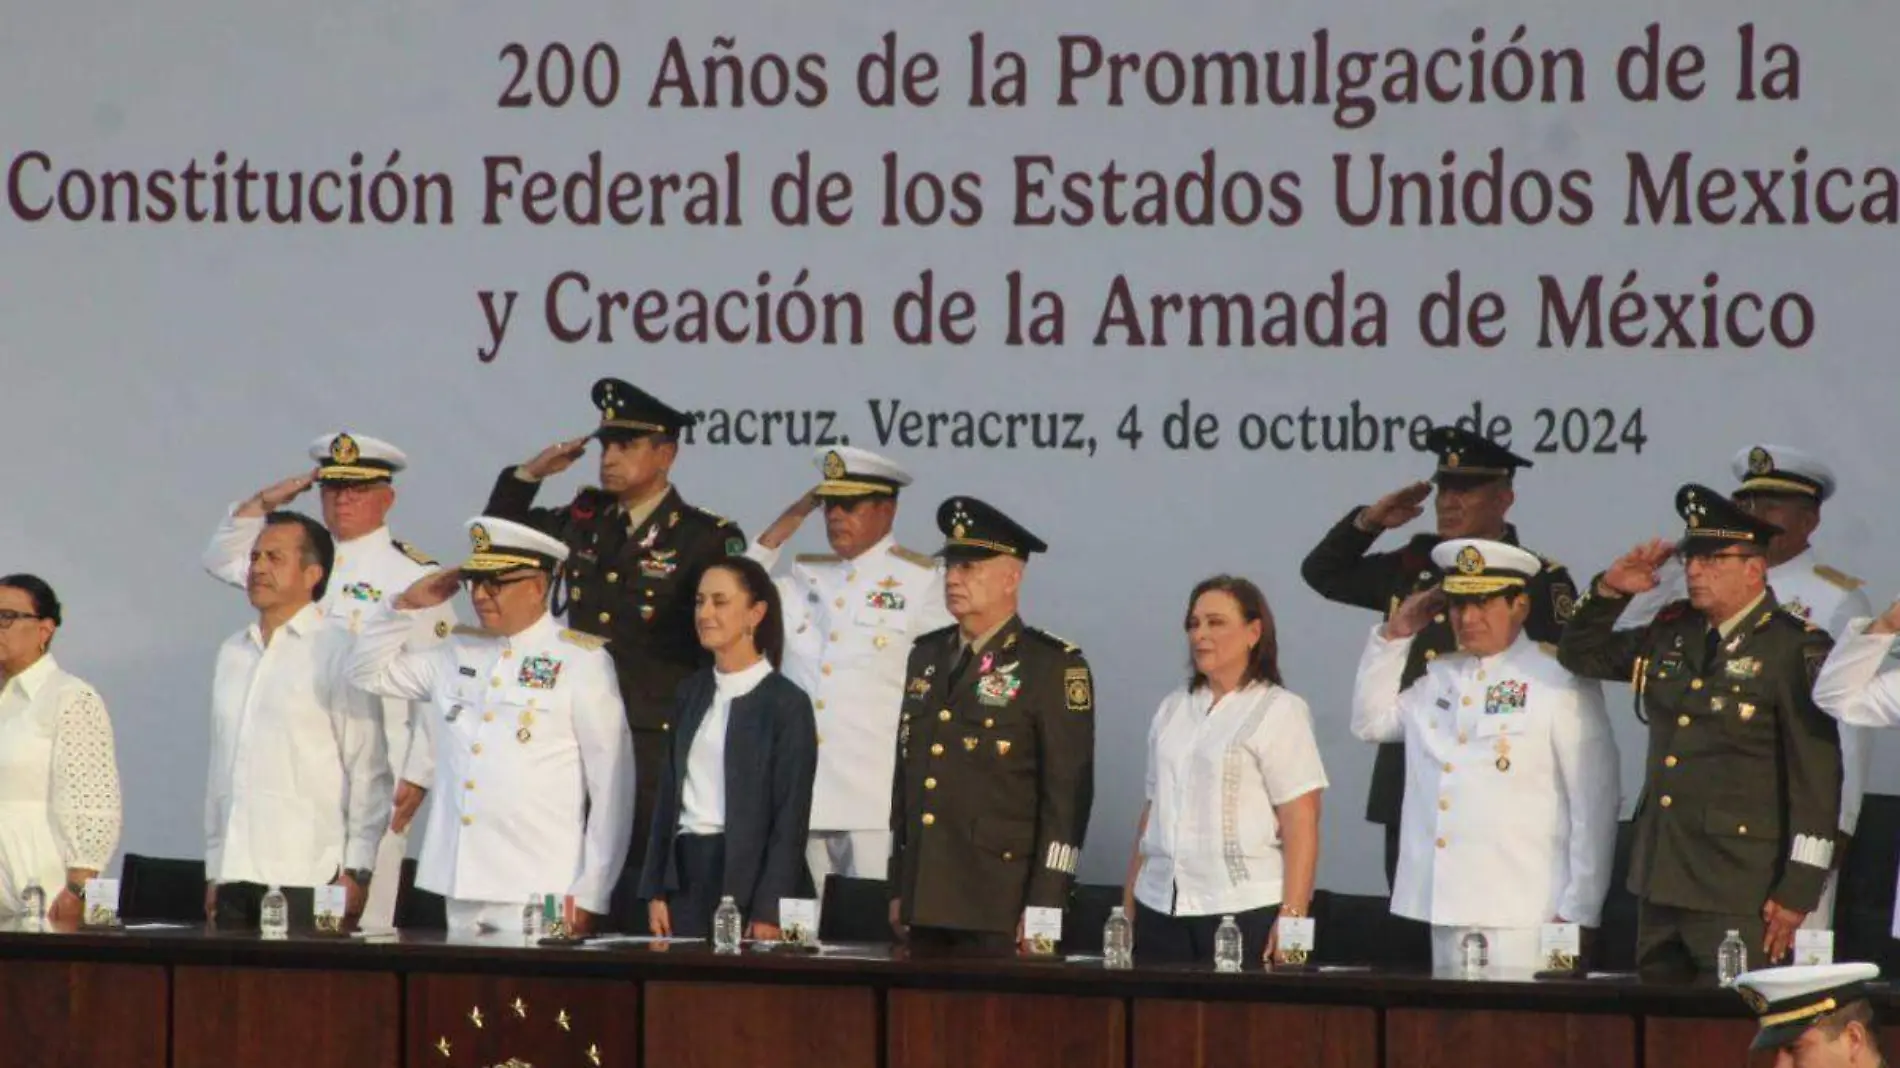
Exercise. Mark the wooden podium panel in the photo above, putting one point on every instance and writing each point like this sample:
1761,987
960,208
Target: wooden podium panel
1462,1038
1201,1034
474,1021
713,1025
1671,1042
83,1015
936,1029
284,1018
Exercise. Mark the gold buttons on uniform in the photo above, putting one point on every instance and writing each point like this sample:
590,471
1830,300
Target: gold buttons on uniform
1461,737
1439,618
936,749
989,723
1695,684
1667,801
495,682
507,653
466,820
1444,804
1682,721
839,602
1480,676
833,637
1431,654
1007,855
819,704
1467,701
929,819
476,749
944,716
930,784
469,785
1441,843
1447,769
824,669
613,576
1669,762
666,726
488,717
606,616
1743,829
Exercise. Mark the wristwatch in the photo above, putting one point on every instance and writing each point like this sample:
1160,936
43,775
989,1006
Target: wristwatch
78,889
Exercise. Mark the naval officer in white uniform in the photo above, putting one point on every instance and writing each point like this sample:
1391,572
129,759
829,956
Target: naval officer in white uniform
850,617
356,474
1509,819
533,758
1786,486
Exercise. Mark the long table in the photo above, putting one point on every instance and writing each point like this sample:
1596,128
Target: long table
189,998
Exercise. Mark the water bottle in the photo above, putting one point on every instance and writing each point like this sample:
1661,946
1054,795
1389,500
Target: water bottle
1118,941
1227,946
1731,958
274,916
1474,952
33,906
726,926
531,917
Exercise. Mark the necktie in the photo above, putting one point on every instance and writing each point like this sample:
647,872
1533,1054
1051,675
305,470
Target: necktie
1711,646
963,664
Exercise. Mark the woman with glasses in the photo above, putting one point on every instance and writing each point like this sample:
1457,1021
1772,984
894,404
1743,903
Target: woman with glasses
1231,824
735,792
59,774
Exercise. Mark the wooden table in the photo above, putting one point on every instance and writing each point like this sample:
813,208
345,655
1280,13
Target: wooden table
193,999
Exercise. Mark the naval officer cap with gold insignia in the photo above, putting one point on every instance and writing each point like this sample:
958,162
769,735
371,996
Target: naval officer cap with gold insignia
1781,471
1790,1000
628,412
344,458
500,546
974,530
1712,522
1476,567
1466,459
852,473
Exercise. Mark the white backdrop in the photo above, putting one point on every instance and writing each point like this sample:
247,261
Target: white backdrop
156,368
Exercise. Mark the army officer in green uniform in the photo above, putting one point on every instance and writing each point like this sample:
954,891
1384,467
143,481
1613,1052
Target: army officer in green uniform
635,551
996,753
1742,792
1475,491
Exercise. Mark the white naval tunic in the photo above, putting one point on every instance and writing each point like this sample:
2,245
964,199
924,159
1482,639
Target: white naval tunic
1860,685
849,625
534,771
1511,785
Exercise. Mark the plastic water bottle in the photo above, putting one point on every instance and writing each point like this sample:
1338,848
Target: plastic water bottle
726,926
1227,946
33,906
274,915
1474,952
1731,958
531,917
1118,941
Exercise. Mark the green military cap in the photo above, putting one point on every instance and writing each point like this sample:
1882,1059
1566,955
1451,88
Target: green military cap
974,530
1712,521
1465,458
628,412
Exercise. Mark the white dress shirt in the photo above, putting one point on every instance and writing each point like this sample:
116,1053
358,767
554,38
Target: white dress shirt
368,570
299,784
59,781
533,788
1216,772
703,795
1511,784
849,625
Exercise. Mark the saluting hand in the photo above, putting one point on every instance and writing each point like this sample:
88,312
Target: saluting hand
278,494
554,459
430,590
1635,571
1395,509
789,520
1889,621
1414,614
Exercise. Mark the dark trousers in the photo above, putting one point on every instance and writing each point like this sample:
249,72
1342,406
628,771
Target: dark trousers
240,907
1678,945
650,748
702,872
1391,857
1164,939
948,942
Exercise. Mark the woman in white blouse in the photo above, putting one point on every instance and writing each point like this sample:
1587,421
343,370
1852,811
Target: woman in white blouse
1231,824
734,800
59,774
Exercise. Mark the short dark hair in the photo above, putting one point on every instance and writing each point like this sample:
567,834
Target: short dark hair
1263,661
1860,1012
770,635
45,601
319,548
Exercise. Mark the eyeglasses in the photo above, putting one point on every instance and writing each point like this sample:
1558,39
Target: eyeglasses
8,617
493,583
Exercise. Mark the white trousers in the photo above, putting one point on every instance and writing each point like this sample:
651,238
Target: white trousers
1510,949
855,854
485,917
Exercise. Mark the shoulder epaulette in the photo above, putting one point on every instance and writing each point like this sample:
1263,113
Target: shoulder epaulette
414,553
912,556
471,632
1838,578
817,558
1790,615
1055,639
1549,564
582,638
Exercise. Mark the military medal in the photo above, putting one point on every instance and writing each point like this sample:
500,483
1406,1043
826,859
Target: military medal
539,672
969,745
1002,747
1504,754
523,735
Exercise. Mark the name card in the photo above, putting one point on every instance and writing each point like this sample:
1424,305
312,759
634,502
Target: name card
1813,947
327,908
102,903
1042,928
1560,947
798,920
1296,939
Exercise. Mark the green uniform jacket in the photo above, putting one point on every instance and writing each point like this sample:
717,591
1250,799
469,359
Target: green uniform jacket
1341,569
995,776
1742,780
634,589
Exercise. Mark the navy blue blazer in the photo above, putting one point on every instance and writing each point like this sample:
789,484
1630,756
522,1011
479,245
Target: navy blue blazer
770,761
